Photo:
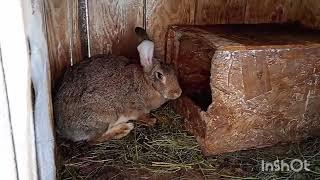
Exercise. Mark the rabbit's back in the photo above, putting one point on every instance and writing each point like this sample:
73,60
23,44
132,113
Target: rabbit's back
97,78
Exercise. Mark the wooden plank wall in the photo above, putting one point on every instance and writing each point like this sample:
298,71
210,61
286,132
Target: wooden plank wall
111,26
220,12
162,13
310,13
271,11
63,35
111,22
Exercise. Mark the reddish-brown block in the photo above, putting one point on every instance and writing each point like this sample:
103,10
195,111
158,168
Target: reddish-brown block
247,86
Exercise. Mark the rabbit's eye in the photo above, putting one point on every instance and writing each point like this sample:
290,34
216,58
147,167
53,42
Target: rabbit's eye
159,75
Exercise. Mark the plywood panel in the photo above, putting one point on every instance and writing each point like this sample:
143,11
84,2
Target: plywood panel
271,11
7,155
311,13
162,13
111,26
16,72
220,11
63,34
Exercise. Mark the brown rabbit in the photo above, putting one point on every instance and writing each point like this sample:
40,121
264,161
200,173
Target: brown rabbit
97,98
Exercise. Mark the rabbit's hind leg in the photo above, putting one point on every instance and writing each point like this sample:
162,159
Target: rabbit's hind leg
116,132
125,129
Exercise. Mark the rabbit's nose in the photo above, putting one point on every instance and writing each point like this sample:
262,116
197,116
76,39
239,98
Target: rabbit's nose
176,93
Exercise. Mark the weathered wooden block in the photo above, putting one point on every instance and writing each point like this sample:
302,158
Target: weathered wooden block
247,86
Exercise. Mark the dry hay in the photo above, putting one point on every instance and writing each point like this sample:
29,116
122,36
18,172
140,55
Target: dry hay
167,151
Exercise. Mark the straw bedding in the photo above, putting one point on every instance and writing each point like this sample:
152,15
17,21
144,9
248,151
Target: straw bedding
167,151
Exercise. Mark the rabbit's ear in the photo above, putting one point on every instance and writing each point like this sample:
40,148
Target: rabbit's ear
141,34
146,49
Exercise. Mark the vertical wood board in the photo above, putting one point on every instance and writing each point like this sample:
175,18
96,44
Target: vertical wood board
310,16
111,26
271,11
63,35
220,11
162,13
16,68
41,83
7,154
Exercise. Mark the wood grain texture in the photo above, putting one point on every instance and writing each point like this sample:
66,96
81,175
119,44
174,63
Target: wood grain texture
77,52
293,8
162,13
271,11
63,35
310,15
111,26
220,11
111,23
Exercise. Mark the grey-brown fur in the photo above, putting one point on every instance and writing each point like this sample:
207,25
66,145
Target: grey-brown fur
94,94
